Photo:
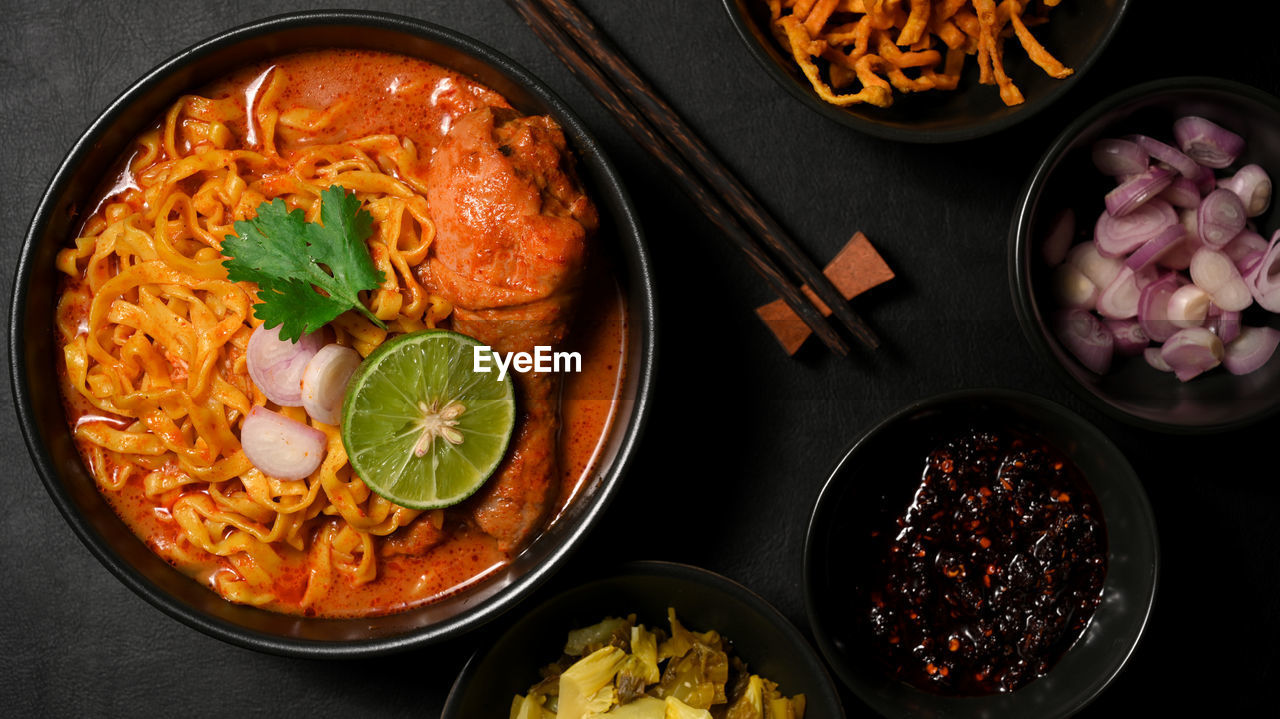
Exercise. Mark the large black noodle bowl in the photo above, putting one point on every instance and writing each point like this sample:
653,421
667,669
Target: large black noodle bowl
33,342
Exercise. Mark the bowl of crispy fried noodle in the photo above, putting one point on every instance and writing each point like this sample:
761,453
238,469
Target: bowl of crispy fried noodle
926,70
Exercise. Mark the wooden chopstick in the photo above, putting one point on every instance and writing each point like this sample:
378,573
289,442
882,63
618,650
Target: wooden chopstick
597,46
634,123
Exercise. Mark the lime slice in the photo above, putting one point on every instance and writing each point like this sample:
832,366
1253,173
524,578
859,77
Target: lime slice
422,427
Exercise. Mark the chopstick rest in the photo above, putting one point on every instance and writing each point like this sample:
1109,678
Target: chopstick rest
854,270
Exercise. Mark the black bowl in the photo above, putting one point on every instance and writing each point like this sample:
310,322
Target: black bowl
883,468
1076,34
770,645
1065,177
32,340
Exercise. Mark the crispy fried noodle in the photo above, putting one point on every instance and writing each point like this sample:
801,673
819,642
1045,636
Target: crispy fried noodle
869,48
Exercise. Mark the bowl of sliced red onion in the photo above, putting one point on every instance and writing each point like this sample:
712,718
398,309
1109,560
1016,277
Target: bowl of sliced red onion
1145,255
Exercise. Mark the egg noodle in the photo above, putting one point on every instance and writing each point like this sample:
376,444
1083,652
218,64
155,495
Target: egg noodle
154,336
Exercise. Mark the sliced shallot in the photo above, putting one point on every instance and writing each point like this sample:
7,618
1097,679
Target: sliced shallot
1206,180
1086,338
1206,142
1130,340
1264,279
1226,325
1192,351
1100,270
1155,360
1175,259
1153,308
1119,157
1152,249
1167,154
1137,191
1220,217
276,365
1248,264
1216,274
1178,255
325,382
1251,350
1253,186
1118,236
1182,192
281,447
1244,244
1119,300
1188,306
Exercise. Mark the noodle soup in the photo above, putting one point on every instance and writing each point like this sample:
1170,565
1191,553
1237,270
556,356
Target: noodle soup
154,336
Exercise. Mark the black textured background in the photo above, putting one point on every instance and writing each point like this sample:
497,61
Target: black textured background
741,438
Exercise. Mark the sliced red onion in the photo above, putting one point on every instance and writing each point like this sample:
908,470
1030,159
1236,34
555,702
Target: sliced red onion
1216,274
281,447
1119,300
1130,340
1153,358
1071,288
1188,306
325,382
276,365
1058,242
1244,244
1248,264
1264,279
1152,249
1192,351
1206,181
1178,257
1167,154
1100,270
1153,308
1118,236
1086,338
1119,157
1251,350
1253,186
1206,142
1182,192
1226,325
1133,194
1220,217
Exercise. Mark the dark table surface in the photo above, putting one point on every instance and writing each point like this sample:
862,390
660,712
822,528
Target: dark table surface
738,428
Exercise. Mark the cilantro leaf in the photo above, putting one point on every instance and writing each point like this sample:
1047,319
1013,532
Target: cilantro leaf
289,258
